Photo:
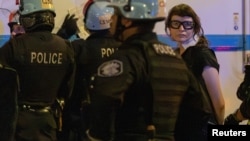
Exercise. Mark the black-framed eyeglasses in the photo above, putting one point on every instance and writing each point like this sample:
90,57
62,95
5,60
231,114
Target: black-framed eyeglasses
186,24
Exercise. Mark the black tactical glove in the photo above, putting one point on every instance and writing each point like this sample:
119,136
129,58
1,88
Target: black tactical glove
231,120
69,27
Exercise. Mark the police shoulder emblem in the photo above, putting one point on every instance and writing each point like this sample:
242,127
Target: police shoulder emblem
110,68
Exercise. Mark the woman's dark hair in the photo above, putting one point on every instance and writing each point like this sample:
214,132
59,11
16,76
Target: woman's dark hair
185,10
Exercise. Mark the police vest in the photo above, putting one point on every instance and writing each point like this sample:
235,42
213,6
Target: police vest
43,61
168,81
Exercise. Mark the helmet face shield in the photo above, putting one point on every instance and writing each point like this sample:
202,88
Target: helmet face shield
31,6
38,19
141,9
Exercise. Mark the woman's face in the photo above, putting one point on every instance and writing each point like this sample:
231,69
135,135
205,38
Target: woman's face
181,29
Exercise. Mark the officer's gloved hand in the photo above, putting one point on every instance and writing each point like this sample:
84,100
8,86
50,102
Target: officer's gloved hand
69,27
231,120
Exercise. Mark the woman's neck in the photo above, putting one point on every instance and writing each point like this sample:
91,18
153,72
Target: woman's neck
184,45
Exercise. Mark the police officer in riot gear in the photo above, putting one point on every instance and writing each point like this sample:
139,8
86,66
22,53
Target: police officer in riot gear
243,93
136,93
99,45
45,65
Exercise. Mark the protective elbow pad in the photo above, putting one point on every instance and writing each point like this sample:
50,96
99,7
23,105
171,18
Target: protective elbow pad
243,91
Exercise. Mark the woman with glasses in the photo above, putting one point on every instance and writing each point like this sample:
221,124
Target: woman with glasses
183,26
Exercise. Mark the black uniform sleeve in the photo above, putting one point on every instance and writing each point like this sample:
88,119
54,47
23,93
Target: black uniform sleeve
9,87
5,54
68,83
78,44
113,79
8,103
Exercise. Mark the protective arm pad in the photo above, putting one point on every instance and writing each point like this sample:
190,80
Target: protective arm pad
243,91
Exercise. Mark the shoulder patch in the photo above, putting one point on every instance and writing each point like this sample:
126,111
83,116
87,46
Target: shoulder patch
110,68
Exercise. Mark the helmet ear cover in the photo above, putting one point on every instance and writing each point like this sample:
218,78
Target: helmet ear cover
38,19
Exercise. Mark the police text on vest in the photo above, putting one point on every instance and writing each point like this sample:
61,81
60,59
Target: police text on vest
46,58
